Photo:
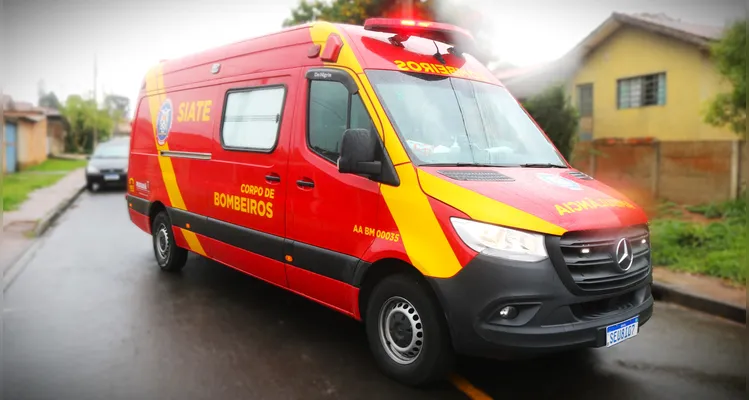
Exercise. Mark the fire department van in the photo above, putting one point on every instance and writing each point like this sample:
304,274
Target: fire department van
385,173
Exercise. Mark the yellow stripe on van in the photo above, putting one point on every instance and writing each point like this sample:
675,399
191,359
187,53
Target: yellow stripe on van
423,238
482,208
426,244
156,95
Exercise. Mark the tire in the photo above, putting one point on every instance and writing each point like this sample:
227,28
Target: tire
168,255
422,315
93,187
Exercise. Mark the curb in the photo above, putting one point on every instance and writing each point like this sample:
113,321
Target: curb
672,294
52,216
15,269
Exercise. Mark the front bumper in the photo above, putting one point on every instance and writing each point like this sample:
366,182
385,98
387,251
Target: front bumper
550,317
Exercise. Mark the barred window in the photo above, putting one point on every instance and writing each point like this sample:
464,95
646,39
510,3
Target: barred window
641,91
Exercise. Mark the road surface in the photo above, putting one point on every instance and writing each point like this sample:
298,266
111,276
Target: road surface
91,317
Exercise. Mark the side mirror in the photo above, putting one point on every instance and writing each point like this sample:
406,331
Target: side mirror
359,153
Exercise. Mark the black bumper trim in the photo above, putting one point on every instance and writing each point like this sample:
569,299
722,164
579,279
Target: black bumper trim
141,206
549,317
331,264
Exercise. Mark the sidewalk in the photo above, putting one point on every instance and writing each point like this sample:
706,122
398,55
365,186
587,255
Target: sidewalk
708,294
19,225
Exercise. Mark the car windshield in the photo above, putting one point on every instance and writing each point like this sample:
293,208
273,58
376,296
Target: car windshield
111,151
453,121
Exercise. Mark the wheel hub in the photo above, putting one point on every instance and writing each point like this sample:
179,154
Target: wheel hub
401,330
162,243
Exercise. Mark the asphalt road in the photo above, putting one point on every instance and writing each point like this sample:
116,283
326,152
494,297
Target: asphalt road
91,317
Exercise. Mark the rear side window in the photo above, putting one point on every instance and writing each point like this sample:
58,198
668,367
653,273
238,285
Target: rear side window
331,111
252,118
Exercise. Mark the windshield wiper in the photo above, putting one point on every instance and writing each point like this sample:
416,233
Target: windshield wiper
542,165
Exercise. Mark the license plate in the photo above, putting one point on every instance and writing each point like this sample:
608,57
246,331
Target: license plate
113,177
622,331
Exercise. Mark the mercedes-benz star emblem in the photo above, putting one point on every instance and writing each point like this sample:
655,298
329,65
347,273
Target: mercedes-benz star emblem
624,255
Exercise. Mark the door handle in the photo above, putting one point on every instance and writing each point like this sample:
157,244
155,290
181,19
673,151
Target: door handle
302,184
272,178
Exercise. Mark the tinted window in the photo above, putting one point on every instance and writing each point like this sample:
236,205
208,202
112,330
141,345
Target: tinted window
252,118
329,117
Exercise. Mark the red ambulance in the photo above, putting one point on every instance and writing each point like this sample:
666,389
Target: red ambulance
385,173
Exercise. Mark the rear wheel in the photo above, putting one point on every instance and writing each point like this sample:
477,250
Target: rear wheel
407,331
169,256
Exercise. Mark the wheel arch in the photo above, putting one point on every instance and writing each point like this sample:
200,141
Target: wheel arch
368,275
153,210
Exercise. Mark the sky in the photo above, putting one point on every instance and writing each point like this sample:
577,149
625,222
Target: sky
56,41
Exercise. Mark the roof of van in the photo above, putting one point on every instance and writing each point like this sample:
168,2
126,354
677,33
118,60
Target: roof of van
288,48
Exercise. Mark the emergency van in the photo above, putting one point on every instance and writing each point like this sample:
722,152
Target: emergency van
383,172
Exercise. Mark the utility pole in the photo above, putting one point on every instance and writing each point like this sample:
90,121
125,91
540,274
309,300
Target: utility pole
96,107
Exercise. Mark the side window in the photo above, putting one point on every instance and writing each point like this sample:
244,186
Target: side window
252,118
331,111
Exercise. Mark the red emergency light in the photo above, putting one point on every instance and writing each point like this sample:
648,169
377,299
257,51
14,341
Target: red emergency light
405,28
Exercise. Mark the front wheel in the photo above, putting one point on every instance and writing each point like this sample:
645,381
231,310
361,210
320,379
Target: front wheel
169,256
407,331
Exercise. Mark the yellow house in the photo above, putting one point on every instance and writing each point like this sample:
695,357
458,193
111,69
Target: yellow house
636,76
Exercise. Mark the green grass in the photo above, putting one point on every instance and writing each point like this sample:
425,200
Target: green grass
16,187
57,164
715,248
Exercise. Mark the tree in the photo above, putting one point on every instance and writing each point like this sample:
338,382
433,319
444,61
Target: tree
50,100
730,58
83,116
118,108
357,11
555,114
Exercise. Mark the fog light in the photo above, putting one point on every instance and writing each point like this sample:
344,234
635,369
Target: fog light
508,312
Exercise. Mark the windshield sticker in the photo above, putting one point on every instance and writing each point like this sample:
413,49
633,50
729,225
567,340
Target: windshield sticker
164,122
559,181
590,204
439,69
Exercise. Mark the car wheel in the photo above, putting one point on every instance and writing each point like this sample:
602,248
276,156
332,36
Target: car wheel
93,186
169,256
407,331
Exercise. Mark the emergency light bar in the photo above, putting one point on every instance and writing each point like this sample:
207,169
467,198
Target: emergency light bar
405,28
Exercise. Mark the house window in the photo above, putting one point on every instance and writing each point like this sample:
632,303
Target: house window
641,91
585,99
252,118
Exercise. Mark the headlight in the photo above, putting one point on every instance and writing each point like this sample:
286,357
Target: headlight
500,242
91,169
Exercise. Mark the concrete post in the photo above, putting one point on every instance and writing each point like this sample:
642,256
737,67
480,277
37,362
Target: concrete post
656,173
735,165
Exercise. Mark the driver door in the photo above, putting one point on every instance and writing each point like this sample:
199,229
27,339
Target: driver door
325,206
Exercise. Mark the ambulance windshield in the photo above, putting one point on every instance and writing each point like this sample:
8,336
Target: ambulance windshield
454,121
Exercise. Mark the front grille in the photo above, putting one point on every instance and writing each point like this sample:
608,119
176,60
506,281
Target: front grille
596,268
112,171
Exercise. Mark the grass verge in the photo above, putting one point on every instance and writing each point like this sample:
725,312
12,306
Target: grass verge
16,187
714,246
